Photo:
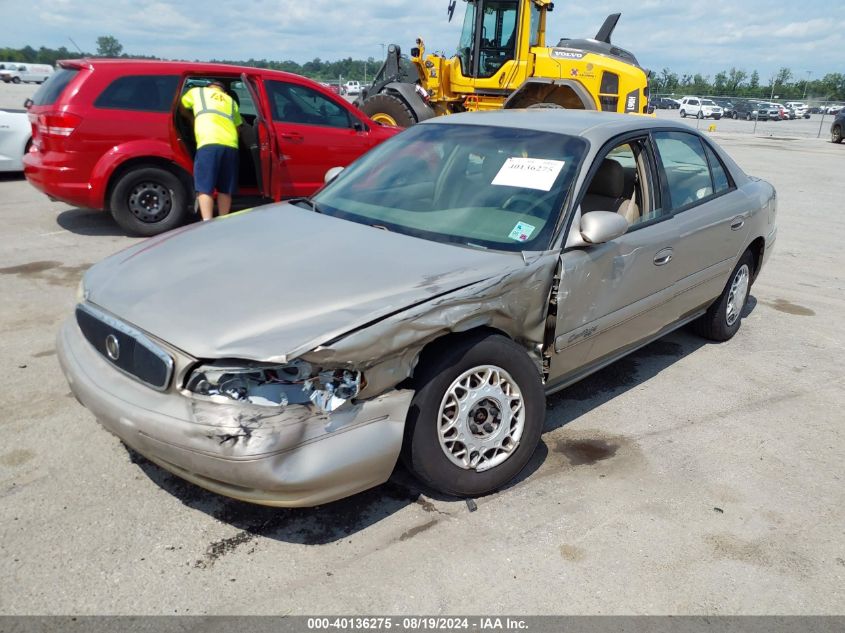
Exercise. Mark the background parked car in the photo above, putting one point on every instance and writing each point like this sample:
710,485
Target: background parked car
352,88
15,137
837,128
800,109
106,135
665,103
726,105
15,72
751,110
699,108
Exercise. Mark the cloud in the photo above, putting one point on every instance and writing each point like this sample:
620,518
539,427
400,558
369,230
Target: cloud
697,37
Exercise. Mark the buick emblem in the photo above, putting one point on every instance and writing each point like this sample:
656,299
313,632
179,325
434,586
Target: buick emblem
112,347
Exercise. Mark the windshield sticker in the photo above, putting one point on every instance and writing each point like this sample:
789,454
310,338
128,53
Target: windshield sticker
529,173
522,232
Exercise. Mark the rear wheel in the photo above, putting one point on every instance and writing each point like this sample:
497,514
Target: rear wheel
545,106
148,201
836,134
476,417
388,110
722,319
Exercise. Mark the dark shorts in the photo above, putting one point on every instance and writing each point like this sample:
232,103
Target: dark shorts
216,167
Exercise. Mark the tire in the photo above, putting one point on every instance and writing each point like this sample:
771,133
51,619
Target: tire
434,457
149,200
16,80
836,134
389,110
735,116
683,114
545,106
748,117
717,116
700,115
723,318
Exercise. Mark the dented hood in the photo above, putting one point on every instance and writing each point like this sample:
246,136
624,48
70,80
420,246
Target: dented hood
273,283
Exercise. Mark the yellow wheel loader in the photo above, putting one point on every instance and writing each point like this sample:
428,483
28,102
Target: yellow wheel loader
503,62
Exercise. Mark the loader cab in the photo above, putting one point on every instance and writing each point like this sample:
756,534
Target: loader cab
492,46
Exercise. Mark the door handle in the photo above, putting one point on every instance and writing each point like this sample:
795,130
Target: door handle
663,257
737,223
292,137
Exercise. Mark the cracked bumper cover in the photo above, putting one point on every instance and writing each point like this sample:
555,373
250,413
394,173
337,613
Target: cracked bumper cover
281,457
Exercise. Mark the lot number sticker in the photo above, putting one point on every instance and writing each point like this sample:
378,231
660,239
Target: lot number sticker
529,173
522,232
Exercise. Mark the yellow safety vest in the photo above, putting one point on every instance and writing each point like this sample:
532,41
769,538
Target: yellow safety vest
216,116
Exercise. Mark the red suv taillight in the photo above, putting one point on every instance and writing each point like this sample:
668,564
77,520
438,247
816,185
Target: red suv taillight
57,123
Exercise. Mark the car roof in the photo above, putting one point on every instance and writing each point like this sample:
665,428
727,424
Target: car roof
153,65
589,124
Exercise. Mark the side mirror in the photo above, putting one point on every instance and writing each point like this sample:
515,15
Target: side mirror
331,174
598,227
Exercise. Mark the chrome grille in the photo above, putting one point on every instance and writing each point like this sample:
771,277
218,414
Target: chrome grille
125,348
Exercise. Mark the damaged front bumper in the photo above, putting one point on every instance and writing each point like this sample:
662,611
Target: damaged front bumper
288,456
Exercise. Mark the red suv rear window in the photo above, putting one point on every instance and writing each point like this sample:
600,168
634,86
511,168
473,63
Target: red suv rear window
54,86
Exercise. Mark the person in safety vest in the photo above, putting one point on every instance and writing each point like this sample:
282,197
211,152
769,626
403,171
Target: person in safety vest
216,121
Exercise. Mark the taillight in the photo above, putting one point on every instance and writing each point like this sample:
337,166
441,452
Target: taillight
58,124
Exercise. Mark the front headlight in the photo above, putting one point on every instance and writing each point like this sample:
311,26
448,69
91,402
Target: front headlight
275,385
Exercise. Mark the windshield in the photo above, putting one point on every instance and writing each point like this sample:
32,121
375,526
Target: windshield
707,102
490,187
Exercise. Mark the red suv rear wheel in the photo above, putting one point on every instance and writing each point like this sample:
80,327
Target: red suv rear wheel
148,201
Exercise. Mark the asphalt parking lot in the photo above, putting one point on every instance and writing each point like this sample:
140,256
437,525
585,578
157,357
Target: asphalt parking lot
689,478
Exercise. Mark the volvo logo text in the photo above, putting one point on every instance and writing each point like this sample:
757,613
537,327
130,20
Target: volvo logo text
112,347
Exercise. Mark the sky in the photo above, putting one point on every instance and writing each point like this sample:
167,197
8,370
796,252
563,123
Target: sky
686,37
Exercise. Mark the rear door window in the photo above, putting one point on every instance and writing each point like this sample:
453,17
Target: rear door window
145,93
721,180
685,167
50,90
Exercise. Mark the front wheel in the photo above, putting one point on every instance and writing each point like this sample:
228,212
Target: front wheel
722,319
149,200
836,134
683,114
476,417
388,110
735,116
16,80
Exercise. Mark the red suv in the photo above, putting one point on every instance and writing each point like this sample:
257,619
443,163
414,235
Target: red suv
107,134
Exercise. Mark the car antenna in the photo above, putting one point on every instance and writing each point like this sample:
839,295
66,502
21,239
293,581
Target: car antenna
76,45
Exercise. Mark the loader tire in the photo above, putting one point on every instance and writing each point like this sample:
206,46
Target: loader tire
388,110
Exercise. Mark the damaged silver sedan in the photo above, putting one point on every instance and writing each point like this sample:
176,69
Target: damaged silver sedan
421,305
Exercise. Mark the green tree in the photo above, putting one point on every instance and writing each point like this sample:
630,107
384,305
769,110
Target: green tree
108,46
735,80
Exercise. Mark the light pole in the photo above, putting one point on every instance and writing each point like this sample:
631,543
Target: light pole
382,50
809,74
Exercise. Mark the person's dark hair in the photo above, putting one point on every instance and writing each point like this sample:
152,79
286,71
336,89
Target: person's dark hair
218,83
